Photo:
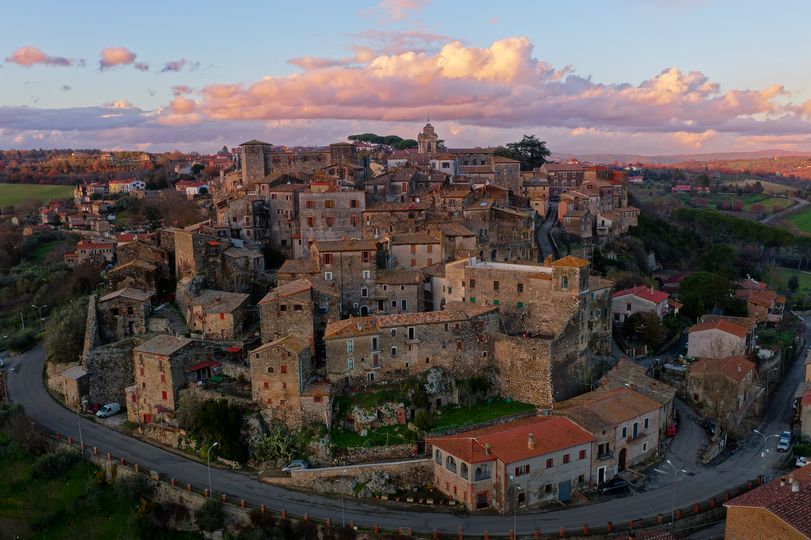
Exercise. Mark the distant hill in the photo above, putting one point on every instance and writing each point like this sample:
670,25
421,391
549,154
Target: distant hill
669,159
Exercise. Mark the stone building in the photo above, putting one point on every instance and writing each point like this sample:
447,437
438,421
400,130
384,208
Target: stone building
639,299
215,260
414,250
722,387
217,314
427,140
327,212
351,265
246,218
562,177
456,240
525,463
537,191
384,219
370,349
111,370
393,186
555,319
283,384
123,313
399,291
629,374
293,269
160,372
504,234
625,425
283,206
149,253
136,274
255,159
506,172
300,308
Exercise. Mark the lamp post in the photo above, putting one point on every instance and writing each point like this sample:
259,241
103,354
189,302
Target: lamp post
39,310
516,487
343,516
208,465
675,476
79,423
763,452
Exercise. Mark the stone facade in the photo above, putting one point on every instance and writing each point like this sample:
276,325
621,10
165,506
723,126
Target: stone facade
283,385
123,313
246,218
351,265
300,308
160,372
110,368
151,254
414,250
283,205
217,314
399,291
135,274
393,218
329,213
370,349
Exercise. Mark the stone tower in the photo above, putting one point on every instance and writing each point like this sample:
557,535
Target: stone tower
570,274
255,159
427,140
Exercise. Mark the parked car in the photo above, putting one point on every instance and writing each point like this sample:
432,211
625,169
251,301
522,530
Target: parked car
296,465
613,486
670,431
801,461
785,442
109,410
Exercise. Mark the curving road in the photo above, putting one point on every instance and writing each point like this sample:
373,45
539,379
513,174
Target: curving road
26,388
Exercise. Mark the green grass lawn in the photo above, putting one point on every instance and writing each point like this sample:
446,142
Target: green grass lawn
38,254
383,436
13,194
802,220
714,200
777,278
452,416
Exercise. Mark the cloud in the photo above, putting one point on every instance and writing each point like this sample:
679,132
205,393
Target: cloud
181,89
116,56
178,65
141,66
66,88
397,10
31,56
694,140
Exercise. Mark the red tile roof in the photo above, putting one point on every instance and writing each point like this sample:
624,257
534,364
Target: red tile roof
509,442
646,293
733,367
780,498
723,325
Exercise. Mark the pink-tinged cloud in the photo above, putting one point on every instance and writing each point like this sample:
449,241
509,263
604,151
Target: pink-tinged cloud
31,56
178,65
116,56
181,89
504,85
397,10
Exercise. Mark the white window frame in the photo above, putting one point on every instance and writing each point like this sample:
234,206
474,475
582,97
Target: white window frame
350,346
327,276
367,274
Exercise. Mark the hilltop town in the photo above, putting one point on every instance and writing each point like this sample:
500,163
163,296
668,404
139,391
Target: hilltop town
479,319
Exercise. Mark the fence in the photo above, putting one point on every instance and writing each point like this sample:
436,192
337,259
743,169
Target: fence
685,516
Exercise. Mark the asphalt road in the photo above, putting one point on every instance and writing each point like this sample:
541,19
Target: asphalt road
542,232
26,387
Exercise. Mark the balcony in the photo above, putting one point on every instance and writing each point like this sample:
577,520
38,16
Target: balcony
605,455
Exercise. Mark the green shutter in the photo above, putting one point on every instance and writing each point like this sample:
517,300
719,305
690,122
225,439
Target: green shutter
495,302
519,305
472,299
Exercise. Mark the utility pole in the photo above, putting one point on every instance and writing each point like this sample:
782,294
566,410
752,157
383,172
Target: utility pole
22,320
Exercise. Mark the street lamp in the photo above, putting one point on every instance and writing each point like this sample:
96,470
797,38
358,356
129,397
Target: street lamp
675,475
41,320
208,465
763,452
343,516
516,487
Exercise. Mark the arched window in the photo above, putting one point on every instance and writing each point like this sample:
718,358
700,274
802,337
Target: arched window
463,470
438,457
450,464
564,282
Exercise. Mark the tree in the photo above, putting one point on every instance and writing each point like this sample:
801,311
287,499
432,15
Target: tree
793,283
221,422
702,291
278,444
196,169
64,332
530,151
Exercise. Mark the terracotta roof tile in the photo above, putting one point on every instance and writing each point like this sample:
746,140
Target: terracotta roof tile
722,325
735,368
646,293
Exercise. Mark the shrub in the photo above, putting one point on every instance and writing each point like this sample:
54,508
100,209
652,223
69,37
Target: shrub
133,489
22,340
54,464
423,419
211,516
802,449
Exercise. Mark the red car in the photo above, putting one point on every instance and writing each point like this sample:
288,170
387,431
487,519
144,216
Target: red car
671,430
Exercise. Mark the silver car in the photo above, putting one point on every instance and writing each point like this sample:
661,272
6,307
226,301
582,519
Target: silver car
109,410
785,442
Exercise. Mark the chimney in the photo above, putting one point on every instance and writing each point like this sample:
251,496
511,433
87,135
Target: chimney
531,441
795,486
487,449
782,481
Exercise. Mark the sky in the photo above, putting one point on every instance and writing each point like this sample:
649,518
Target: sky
587,76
